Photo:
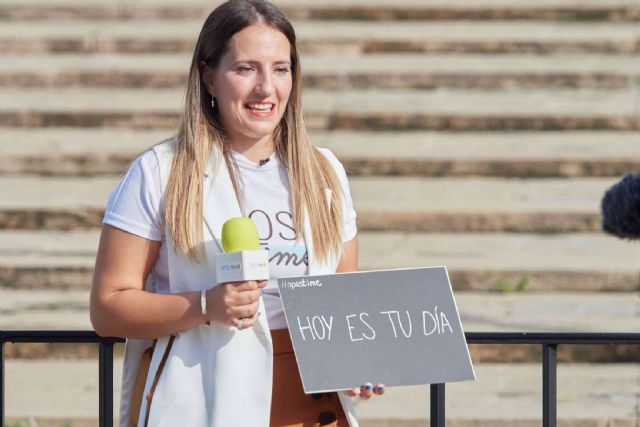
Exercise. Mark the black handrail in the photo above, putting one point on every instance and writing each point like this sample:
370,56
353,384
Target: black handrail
548,340
105,362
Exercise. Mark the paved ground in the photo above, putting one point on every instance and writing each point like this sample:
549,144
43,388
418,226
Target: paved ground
502,395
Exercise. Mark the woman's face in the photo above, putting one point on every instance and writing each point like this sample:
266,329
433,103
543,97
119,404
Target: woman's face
252,83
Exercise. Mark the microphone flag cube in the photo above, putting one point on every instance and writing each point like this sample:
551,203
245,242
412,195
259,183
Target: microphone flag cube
243,259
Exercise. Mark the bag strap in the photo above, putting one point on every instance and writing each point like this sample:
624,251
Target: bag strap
140,379
156,378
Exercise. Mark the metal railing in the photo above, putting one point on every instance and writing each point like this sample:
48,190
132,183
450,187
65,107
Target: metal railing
548,340
105,362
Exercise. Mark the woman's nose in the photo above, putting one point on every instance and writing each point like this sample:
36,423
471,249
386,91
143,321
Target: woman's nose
264,85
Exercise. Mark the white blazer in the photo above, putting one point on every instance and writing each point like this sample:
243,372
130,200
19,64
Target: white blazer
215,375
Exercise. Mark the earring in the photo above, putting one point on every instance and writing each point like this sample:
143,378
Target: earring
213,103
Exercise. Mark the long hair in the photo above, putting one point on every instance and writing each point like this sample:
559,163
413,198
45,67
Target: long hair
202,135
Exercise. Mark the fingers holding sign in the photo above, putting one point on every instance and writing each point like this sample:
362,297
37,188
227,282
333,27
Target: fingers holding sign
365,391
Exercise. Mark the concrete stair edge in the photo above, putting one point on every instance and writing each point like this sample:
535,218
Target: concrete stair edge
381,10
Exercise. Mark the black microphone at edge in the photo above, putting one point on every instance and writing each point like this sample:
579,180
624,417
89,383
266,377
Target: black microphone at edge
620,208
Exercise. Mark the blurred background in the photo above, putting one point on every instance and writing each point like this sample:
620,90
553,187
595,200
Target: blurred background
478,134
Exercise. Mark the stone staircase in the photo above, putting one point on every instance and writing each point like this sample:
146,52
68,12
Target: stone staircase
478,135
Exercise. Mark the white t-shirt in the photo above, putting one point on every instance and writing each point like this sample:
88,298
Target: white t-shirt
135,206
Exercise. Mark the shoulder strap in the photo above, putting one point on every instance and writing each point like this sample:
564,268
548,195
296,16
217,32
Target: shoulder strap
156,378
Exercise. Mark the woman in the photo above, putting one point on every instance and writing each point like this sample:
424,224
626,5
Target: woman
241,150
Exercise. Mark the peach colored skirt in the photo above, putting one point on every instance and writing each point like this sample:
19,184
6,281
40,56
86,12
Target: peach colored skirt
290,407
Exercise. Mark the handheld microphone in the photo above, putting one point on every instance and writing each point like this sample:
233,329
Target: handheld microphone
242,258
620,208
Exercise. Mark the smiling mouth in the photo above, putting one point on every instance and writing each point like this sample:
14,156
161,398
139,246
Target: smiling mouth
262,107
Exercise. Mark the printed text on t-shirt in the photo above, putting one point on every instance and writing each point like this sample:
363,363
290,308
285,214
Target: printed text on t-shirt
279,227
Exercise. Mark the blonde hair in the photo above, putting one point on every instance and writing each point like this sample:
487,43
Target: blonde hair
201,135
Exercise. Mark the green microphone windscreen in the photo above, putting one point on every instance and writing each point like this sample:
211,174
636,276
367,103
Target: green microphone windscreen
240,234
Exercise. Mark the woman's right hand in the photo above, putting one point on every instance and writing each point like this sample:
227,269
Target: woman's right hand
229,302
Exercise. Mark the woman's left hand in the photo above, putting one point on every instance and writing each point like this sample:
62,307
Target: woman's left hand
366,391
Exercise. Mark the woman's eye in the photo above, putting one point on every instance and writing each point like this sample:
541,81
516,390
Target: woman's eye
282,70
245,69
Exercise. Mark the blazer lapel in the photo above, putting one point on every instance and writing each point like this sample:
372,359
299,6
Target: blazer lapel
220,202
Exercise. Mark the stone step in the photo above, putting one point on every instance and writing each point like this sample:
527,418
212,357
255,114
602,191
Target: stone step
476,261
377,10
71,152
383,203
502,395
479,205
454,110
526,154
337,37
380,71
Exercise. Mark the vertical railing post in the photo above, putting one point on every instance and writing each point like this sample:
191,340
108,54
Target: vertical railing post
549,385
437,405
106,385
2,383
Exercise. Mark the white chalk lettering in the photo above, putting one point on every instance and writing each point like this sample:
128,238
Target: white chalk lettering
407,335
303,283
351,328
329,325
424,323
388,313
373,333
302,329
319,327
320,331
445,322
436,318
399,320
361,316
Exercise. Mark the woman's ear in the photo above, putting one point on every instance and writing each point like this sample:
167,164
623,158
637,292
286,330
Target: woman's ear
207,79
